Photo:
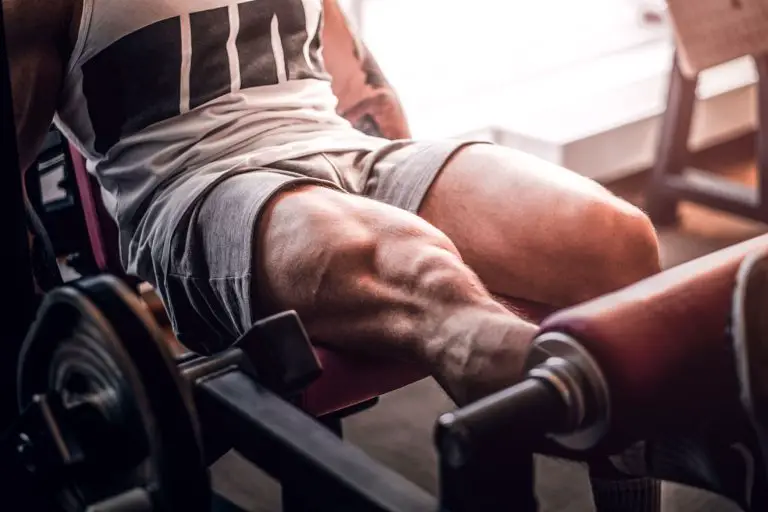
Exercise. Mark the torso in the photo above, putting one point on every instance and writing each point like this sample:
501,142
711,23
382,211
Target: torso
190,89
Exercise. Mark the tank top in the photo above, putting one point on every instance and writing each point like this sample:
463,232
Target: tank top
181,92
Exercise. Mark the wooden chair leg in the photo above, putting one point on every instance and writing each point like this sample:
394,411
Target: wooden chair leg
672,153
761,63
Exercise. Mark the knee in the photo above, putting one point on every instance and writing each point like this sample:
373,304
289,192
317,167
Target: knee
637,249
623,246
304,237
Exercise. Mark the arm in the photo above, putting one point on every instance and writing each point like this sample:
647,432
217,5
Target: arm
366,99
37,36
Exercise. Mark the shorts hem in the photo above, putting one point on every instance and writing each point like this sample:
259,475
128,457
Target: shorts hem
407,184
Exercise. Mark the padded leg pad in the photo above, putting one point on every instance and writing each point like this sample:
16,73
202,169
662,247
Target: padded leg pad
663,343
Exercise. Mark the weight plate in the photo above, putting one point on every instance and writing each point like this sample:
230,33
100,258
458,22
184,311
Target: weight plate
93,343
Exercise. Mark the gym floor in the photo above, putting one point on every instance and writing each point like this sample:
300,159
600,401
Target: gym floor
398,430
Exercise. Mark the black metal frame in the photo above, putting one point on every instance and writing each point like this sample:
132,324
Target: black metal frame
307,456
480,468
287,443
62,217
292,446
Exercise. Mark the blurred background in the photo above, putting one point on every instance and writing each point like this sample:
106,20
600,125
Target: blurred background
580,83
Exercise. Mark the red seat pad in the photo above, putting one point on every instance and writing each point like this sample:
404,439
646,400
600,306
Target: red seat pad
102,230
663,345
349,380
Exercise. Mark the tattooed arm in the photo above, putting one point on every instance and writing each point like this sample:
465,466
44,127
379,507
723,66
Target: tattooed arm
365,97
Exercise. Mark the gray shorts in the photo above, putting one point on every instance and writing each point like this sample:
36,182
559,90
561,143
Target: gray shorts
208,276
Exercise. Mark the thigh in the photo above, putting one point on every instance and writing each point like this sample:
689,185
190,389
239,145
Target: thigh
242,254
204,271
535,230
530,229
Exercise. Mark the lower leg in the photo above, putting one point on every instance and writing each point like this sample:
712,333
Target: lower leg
371,278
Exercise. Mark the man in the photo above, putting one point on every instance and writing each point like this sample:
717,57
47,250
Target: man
239,191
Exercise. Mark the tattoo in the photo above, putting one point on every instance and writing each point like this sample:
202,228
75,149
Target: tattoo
368,125
366,99
374,77
380,113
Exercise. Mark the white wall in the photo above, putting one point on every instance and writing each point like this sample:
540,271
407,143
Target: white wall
558,78
437,50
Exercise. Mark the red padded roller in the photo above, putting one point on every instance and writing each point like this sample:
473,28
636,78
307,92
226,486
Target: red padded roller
663,344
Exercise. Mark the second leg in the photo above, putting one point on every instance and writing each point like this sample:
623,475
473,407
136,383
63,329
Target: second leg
372,278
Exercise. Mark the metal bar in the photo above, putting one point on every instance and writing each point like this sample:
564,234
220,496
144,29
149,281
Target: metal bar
718,193
486,449
525,410
709,184
282,440
14,258
498,476
761,64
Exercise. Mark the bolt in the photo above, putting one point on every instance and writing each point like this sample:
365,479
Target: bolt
25,448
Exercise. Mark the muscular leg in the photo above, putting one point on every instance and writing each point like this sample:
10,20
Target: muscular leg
369,277
536,231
